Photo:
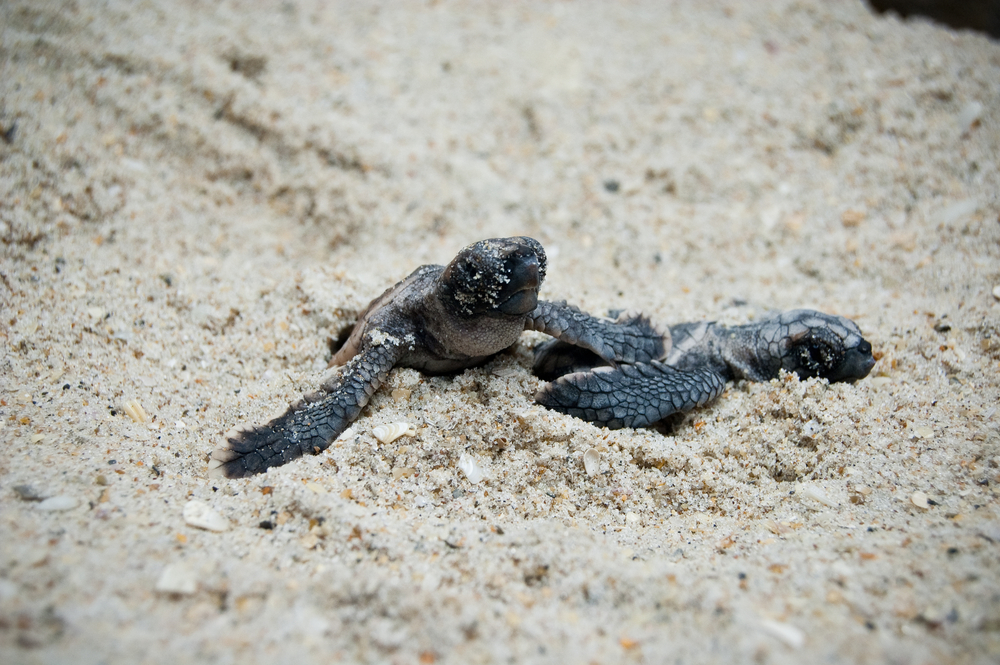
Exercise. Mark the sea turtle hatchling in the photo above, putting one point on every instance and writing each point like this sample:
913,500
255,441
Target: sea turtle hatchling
693,364
440,319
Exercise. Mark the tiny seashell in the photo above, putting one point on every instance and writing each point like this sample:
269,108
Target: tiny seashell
816,494
392,431
919,499
470,466
199,515
592,462
135,411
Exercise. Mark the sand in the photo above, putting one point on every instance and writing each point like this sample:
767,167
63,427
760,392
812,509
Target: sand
196,198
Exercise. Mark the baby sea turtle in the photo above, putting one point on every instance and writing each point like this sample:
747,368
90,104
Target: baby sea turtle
440,319
693,364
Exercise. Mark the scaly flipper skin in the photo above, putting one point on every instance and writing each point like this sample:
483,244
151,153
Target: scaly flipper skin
440,319
699,359
311,424
629,339
631,395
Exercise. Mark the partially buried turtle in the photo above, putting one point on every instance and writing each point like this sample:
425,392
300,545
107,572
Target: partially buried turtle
440,319
693,363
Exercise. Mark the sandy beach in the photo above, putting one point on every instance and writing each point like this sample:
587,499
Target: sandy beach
197,198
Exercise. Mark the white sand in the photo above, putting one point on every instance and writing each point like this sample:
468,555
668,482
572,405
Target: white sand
195,199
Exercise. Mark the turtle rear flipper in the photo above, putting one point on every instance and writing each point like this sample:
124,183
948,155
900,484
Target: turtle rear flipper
308,426
630,395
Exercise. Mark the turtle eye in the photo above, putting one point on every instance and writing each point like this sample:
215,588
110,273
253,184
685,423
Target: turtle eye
816,357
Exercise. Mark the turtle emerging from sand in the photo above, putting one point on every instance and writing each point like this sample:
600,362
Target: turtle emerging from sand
440,319
693,363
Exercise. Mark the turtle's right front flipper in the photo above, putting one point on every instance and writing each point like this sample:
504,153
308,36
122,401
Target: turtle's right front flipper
308,426
629,339
630,395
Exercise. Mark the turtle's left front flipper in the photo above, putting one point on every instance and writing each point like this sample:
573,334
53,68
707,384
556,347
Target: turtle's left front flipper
629,339
308,426
630,395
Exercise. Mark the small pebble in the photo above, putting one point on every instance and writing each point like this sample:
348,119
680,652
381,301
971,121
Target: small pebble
969,116
59,503
996,291
27,493
852,218
592,462
402,472
919,499
8,589
177,578
811,429
198,514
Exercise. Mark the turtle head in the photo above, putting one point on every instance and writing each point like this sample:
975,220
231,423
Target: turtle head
823,345
496,277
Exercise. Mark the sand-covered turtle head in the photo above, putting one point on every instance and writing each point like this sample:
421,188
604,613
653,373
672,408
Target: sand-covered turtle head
495,277
824,345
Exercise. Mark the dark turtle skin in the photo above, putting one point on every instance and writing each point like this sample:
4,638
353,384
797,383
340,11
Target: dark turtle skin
440,319
693,363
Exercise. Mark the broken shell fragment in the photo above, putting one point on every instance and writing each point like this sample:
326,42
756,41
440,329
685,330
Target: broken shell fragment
135,411
592,462
199,515
392,431
177,578
816,494
790,635
402,472
470,466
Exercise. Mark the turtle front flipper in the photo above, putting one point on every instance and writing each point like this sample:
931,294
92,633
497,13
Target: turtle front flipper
630,339
630,395
308,426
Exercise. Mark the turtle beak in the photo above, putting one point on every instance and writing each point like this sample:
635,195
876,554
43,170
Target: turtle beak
520,295
856,364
